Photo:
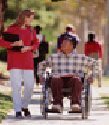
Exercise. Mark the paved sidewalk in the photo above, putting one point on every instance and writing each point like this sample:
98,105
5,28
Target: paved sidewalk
99,114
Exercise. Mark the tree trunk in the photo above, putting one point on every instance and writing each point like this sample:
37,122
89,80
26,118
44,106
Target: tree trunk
1,17
106,44
3,6
18,6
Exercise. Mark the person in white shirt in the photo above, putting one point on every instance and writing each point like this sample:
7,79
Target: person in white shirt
40,54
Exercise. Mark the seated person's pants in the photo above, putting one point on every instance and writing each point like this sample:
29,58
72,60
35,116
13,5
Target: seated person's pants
57,85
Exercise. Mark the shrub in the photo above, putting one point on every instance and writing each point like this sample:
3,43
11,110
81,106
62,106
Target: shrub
3,54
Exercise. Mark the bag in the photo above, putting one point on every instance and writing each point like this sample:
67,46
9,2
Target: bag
9,37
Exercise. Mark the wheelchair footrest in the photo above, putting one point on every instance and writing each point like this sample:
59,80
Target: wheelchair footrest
52,111
80,111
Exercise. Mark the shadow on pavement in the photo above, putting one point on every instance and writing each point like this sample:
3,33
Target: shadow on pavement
35,101
50,118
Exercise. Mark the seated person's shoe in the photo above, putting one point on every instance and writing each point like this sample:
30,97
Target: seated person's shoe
75,108
26,112
18,115
56,108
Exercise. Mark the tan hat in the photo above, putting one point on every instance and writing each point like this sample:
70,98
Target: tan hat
70,25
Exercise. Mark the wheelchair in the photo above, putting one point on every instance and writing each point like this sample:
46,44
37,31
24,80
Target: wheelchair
85,99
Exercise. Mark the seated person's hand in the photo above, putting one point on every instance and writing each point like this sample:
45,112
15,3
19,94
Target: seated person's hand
17,43
41,80
90,80
69,75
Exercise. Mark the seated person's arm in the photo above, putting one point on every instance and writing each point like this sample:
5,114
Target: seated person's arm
42,68
70,75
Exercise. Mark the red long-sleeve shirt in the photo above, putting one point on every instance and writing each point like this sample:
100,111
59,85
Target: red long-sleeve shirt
93,47
18,60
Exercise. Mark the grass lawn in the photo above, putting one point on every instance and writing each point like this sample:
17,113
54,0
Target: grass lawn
105,81
105,96
3,68
106,100
5,99
5,105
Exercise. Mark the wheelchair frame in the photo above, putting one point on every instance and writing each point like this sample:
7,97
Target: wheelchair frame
85,98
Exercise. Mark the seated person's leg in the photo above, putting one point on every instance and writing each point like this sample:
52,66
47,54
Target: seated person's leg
76,86
66,86
56,87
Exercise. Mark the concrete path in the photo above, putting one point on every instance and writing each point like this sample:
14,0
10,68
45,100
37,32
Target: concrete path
99,114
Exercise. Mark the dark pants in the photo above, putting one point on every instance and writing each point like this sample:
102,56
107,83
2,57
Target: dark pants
37,60
57,85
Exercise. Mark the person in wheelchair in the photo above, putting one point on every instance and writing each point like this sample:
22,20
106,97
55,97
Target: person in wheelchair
66,72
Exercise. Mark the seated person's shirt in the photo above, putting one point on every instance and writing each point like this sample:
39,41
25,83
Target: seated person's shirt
62,64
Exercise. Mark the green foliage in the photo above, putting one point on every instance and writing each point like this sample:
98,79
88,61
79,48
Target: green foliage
5,97
5,105
10,14
106,100
2,115
56,0
53,15
45,13
3,69
3,54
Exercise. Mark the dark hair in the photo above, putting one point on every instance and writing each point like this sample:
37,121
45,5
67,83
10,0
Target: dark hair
71,38
68,29
38,29
91,37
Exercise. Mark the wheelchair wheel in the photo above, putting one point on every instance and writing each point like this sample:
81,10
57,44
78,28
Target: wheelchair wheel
84,104
84,112
44,103
44,113
89,96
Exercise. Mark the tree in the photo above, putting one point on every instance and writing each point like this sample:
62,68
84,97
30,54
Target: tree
18,3
56,0
3,6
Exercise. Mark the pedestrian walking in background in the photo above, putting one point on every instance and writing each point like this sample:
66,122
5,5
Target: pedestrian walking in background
43,49
94,49
40,54
20,62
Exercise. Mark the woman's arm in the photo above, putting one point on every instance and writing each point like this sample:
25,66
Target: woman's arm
35,42
5,44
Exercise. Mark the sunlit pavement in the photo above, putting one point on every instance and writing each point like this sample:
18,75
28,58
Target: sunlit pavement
99,114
